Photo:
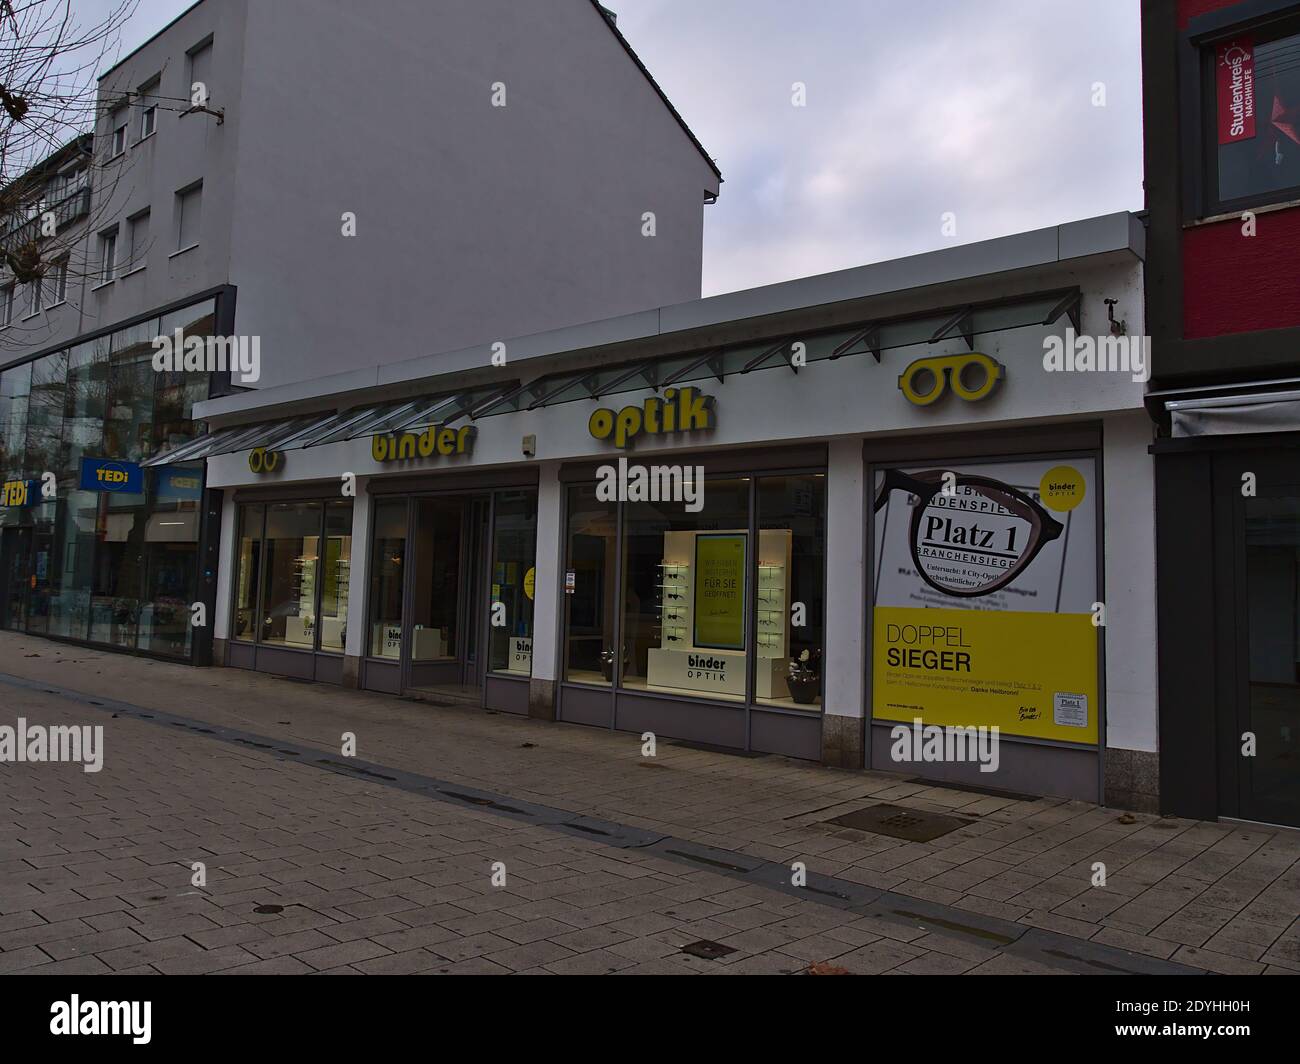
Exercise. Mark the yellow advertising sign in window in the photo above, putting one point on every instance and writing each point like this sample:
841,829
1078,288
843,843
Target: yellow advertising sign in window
984,591
720,591
1031,674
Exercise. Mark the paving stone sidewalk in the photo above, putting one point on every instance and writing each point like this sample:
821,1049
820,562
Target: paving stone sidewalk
95,868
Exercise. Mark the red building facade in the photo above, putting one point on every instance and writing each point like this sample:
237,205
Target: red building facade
1222,153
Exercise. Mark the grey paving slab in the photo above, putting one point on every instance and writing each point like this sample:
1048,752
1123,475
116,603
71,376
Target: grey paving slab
609,867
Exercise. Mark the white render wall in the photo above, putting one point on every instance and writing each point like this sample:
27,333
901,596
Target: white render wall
474,223
354,644
1132,696
843,659
548,590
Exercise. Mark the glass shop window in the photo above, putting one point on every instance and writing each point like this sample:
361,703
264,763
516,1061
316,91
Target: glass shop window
387,568
1253,100
514,555
589,580
685,578
290,569
247,577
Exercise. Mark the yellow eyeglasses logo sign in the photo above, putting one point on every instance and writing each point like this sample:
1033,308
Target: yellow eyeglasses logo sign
260,460
972,377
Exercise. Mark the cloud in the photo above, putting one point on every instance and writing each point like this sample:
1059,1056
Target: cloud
914,109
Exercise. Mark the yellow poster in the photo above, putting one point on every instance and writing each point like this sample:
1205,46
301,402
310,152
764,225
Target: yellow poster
720,591
1032,674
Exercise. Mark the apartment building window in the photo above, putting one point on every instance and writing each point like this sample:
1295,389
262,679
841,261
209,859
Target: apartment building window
56,283
6,306
1251,94
201,70
107,254
118,123
35,296
138,229
189,217
149,109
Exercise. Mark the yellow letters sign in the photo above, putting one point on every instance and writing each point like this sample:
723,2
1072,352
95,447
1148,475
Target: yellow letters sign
436,439
680,410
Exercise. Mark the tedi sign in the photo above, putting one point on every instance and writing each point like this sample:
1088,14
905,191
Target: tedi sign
436,439
680,410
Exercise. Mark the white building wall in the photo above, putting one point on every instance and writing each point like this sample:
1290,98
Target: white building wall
846,591
359,572
548,593
1132,705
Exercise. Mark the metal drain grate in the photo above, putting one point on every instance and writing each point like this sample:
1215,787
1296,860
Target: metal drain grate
710,951
913,825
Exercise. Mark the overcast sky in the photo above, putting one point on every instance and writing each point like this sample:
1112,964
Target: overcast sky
915,108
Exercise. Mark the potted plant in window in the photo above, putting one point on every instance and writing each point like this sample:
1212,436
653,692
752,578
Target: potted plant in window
804,677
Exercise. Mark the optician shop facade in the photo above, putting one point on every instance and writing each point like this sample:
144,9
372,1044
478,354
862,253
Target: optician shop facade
791,520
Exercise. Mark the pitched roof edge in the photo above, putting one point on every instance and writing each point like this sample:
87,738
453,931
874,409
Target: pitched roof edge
603,12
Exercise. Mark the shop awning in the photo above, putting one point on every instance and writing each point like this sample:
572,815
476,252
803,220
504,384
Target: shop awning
405,415
1235,414
872,338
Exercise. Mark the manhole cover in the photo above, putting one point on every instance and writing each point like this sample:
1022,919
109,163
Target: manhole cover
914,825
710,951
268,910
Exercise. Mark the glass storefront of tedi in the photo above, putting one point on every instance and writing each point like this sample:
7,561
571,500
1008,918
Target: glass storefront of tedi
94,547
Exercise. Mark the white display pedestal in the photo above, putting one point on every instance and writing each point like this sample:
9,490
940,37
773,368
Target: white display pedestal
298,631
714,672
332,631
521,657
426,644
386,640
720,672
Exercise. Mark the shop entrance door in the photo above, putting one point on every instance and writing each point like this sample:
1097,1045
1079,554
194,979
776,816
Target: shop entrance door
1258,583
15,577
443,659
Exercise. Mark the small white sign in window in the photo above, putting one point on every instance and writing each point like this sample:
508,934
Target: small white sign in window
1070,710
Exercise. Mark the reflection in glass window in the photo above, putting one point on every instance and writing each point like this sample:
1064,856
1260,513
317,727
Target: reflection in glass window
74,547
514,553
1255,90
437,558
247,571
15,387
685,578
85,396
336,567
592,558
44,564
289,574
171,557
45,413
128,426
115,588
788,598
387,567
116,568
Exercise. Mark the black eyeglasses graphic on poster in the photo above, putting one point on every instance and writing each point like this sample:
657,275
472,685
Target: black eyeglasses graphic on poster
985,583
